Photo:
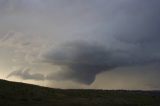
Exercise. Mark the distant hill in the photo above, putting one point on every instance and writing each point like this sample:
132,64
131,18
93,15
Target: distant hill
20,94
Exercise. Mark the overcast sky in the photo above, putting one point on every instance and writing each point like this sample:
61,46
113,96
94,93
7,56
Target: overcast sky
99,44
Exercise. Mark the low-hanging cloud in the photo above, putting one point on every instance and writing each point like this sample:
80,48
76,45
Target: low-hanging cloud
26,75
81,61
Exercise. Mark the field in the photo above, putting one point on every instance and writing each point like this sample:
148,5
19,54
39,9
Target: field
20,94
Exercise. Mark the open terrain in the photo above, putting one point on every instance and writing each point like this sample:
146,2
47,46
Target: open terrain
20,94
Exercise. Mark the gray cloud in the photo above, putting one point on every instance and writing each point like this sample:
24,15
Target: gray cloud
81,61
126,32
139,22
26,75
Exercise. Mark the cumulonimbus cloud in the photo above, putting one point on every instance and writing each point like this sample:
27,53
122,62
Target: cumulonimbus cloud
81,61
127,32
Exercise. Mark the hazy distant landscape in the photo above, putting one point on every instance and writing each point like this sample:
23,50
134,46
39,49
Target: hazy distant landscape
20,94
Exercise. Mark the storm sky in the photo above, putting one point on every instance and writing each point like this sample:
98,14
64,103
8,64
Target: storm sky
96,44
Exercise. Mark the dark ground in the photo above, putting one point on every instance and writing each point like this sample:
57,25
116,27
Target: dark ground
20,94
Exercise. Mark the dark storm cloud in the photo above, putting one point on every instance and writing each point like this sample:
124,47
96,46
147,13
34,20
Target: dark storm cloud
133,38
126,31
26,75
81,61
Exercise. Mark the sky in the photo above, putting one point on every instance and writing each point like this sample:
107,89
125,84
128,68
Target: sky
81,44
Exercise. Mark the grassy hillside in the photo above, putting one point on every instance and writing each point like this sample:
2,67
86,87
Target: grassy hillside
19,94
